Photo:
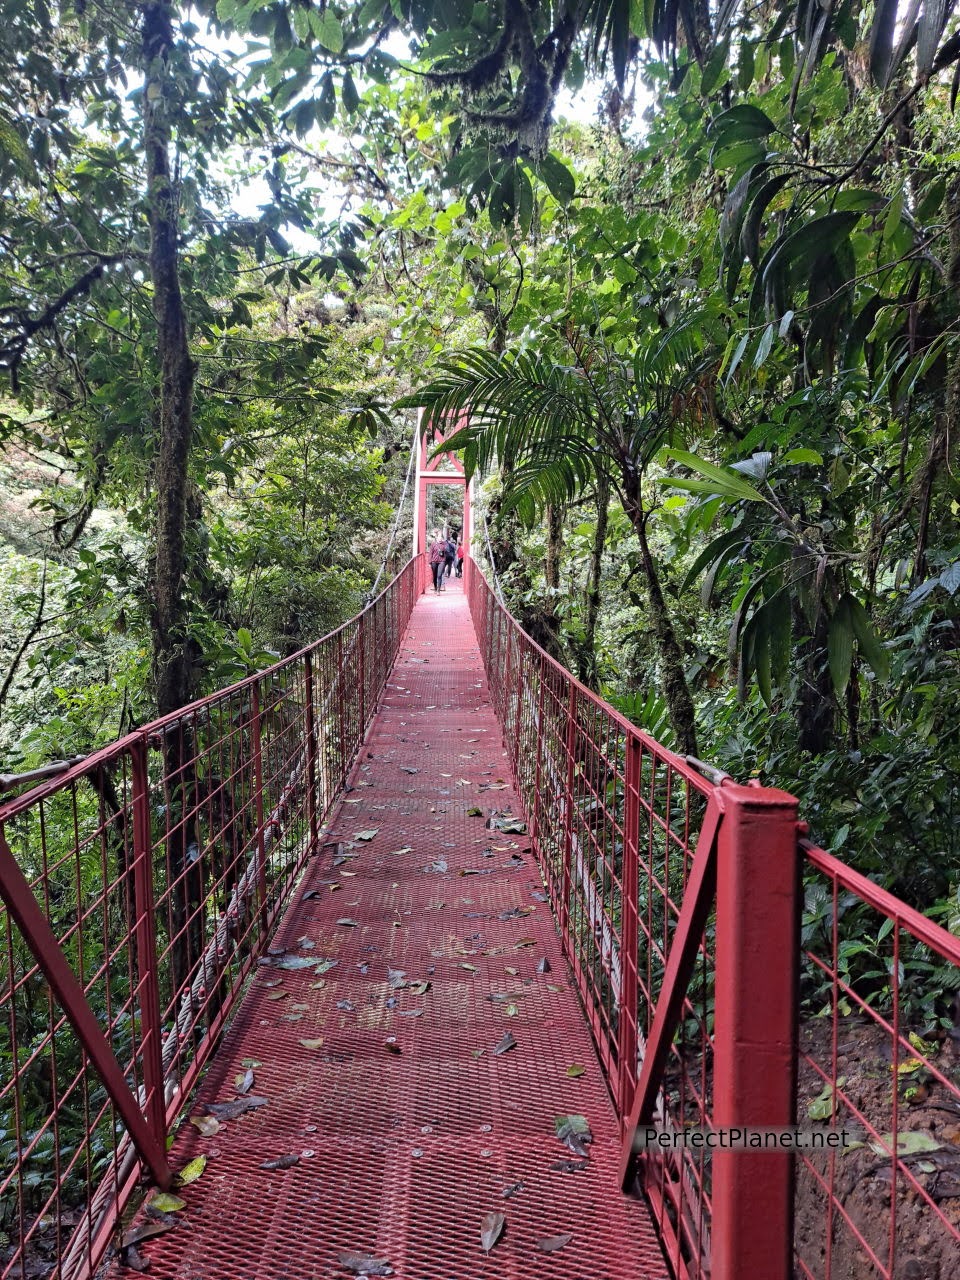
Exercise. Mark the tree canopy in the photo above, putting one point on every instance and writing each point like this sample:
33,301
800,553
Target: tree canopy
706,334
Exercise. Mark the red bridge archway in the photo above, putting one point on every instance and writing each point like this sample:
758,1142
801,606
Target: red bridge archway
441,468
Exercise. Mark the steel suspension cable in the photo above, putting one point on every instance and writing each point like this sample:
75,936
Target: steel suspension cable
498,590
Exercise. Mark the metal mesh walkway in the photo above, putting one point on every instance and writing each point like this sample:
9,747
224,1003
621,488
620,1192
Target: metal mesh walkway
431,942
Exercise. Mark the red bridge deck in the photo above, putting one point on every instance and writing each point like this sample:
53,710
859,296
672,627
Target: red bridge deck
408,1125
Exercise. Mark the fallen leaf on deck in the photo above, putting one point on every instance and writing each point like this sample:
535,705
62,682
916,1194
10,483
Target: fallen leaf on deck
544,967
507,969
312,1044
306,944
396,979
207,1125
552,1243
474,812
282,1162
295,962
410,1013
406,768
366,835
569,1166
278,995
509,1192
163,1202
192,1171
230,1110
145,1231
292,1017
391,1046
525,942
574,1132
243,1082
440,866
132,1258
345,1004
471,968
250,1062
272,982
362,1264
506,1044
348,923
408,848
491,1229
311,893
420,988
574,1071
512,1010
325,965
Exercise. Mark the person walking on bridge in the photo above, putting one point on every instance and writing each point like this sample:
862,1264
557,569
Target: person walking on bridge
449,554
438,558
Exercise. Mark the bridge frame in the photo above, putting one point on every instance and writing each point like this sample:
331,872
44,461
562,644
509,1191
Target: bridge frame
429,473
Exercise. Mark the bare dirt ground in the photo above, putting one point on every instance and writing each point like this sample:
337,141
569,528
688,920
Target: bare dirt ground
908,1216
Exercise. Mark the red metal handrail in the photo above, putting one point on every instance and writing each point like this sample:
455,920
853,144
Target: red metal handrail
680,906
137,889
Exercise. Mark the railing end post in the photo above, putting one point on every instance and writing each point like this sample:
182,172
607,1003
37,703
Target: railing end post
755,1032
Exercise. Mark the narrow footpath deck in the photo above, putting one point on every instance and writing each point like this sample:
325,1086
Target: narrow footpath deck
409,1126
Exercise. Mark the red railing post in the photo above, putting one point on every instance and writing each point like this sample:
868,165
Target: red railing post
518,681
755,1029
571,749
341,714
146,938
508,682
311,729
538,749
256,741
362,672
629,925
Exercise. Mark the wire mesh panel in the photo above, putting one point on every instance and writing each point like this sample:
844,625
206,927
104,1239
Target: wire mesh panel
137,890
880,1077
61,1134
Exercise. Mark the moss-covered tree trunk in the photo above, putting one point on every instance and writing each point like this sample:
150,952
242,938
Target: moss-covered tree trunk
173,668
673,674
587,649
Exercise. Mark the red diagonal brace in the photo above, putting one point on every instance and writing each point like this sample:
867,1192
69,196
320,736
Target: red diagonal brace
694,913
40,938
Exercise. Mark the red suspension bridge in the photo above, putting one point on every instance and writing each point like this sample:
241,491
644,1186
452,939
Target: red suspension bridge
376,961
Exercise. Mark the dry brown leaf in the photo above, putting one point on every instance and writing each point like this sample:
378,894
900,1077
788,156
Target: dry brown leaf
551,1244
491,1229
207,1126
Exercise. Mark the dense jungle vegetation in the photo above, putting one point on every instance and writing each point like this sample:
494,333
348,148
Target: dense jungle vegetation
708,334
